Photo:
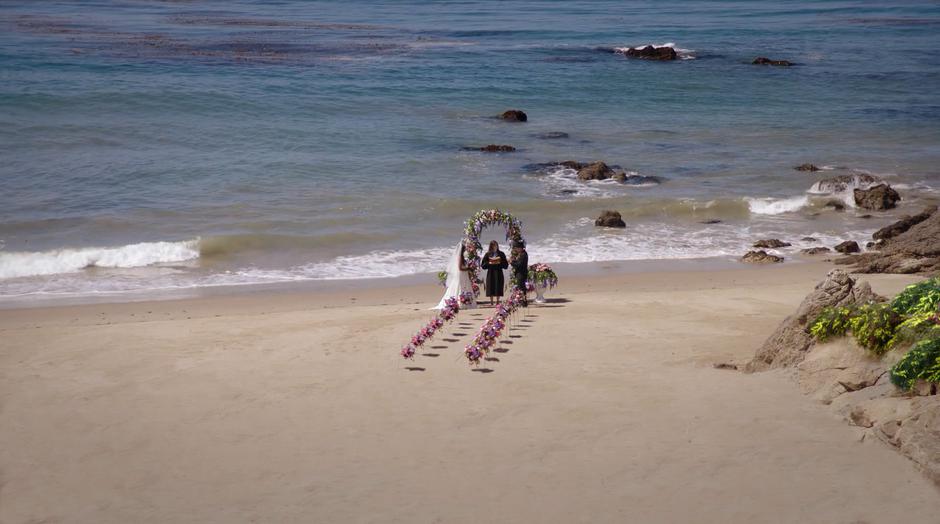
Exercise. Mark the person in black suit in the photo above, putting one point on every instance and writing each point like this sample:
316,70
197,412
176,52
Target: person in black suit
494,262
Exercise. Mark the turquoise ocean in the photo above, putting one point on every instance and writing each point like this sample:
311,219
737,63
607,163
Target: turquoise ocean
167,145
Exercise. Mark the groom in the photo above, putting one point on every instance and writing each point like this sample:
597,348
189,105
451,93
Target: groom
520,268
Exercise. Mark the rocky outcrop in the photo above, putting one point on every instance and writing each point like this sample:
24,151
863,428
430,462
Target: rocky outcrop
514,115
763,60
849,246
610,219
761,257
815,250
809,239
851,381
598,170
855,385
901,226
806,167
877,198
789,342
771,243
652,53
916,250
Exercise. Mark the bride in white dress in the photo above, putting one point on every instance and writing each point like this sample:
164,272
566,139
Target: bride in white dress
458,280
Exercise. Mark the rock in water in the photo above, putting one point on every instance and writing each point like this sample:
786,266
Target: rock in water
652,53
806,167
838,184
849,246
903,225
760,257
497,148
788,344
610,219
771,243
815,250
763,60
878,198
595,171
514,115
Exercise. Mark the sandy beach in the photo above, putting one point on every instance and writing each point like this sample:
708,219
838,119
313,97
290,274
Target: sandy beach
603,406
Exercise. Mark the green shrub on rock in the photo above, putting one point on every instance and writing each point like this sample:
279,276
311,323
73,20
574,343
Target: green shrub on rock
917,327
922,362
922,297
832,322
874,326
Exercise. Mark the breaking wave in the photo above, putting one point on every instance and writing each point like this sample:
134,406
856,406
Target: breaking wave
27,264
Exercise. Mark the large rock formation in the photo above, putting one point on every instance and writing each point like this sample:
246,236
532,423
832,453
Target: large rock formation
610,219
878,198
901,226
652,53
514,115
788,344
916,250
854,383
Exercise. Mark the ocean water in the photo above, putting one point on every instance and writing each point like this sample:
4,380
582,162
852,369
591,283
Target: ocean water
167,145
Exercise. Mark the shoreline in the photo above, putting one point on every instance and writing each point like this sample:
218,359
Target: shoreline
416,280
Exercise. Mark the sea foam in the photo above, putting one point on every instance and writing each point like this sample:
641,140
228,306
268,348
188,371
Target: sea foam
27,264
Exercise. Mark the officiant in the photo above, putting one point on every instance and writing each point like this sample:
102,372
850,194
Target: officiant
494,262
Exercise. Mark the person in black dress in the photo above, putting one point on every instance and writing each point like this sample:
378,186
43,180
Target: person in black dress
494,262
520,269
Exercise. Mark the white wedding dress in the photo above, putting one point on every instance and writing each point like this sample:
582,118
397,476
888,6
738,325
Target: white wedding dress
457,282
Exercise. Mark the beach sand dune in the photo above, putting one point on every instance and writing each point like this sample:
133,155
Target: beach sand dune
295,407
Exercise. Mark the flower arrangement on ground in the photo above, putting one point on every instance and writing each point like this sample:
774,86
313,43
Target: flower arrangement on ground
543,275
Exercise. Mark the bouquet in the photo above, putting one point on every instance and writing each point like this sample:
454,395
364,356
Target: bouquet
543,275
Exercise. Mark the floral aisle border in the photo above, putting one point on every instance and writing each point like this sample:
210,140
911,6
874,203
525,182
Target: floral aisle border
447,313
491,330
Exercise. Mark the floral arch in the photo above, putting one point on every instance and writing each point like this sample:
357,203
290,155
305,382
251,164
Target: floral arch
474,228
492,328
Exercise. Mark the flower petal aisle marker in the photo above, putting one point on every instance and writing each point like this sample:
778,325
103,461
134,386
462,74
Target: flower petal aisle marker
492,329
448,313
